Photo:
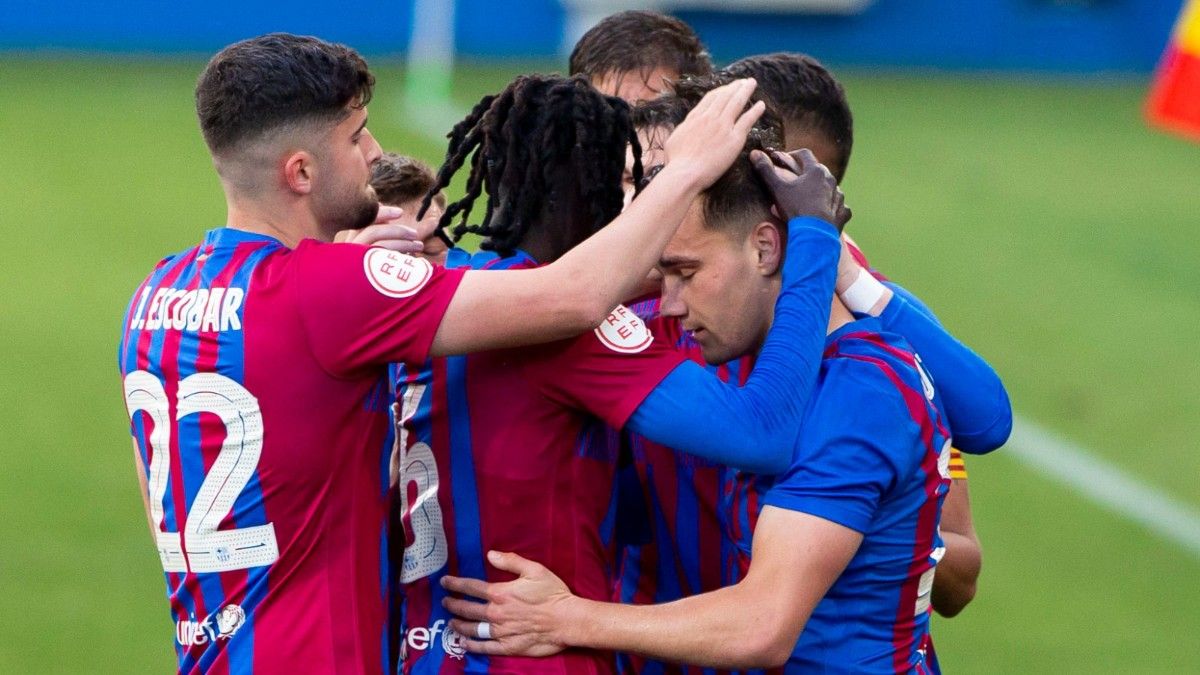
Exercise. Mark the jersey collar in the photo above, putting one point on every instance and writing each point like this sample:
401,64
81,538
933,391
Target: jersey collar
867,324
227,236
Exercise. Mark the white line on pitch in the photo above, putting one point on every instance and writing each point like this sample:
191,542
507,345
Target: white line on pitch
1072,465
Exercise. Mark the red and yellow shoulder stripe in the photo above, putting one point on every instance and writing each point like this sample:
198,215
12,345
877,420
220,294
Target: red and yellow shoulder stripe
958,467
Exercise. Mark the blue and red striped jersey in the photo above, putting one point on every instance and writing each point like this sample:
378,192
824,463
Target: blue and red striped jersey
873,456
255,377
510,451
689,546
680,548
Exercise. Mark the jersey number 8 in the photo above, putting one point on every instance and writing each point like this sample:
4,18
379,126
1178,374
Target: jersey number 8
428,551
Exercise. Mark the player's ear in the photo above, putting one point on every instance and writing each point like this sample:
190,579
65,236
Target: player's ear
767,241
299,171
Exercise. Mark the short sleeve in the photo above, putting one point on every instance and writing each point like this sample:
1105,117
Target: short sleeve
369,306
608,371
856,443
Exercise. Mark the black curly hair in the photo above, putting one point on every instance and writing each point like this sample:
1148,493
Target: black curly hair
807,96
740,198
543,144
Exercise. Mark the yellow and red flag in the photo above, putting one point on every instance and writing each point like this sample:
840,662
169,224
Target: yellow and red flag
1174,101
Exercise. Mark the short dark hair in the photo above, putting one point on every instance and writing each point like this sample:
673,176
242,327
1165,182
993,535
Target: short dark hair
665,111
639,41
398,179
806,95
739,199
530,146
258,85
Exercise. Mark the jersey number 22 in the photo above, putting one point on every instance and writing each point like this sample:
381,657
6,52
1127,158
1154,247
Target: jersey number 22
204,547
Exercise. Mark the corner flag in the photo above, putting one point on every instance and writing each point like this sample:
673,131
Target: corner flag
1174,101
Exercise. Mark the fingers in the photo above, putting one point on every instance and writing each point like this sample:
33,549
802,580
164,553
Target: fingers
475,588
725,101
805,157
400,245
787,161
841,212
511,562
467,630
844,215
763,165
392,236
389,235
382,231
748,118
466,609
739,95
388,213
707,101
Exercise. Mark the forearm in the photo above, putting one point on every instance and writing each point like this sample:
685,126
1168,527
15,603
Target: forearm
576,292
976,401
754,427
720,629
145,492
957,573
612,265
958,570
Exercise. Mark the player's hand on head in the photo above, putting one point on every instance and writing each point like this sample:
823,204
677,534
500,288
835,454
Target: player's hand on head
715,131
388,231
426,227
523,617
802,186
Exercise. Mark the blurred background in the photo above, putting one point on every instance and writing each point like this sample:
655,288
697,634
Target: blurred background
1003,170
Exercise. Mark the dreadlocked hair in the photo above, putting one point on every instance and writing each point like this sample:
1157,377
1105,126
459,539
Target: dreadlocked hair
532,146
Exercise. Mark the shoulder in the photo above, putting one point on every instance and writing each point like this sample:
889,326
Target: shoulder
878,361
623,332
390,273
621,357
870,388
622,336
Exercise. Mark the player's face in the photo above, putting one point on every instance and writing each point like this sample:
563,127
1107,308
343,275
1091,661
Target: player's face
822,148
653,157
634,86
715,285
343,198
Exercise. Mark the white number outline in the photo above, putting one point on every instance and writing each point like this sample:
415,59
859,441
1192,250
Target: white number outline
204,547
429,551
925,583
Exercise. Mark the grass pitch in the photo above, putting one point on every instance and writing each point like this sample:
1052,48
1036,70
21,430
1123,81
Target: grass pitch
1041,219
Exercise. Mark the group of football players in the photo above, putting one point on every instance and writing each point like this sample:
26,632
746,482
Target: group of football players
666,419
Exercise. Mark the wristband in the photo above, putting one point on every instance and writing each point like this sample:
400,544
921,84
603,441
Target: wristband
864,293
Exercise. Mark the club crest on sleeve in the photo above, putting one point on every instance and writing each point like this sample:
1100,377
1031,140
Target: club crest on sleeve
625,332
396,275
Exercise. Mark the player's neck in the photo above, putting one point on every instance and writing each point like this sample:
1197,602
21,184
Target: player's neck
290,224
839,315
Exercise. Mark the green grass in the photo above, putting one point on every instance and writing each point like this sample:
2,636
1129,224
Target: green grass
1041,219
